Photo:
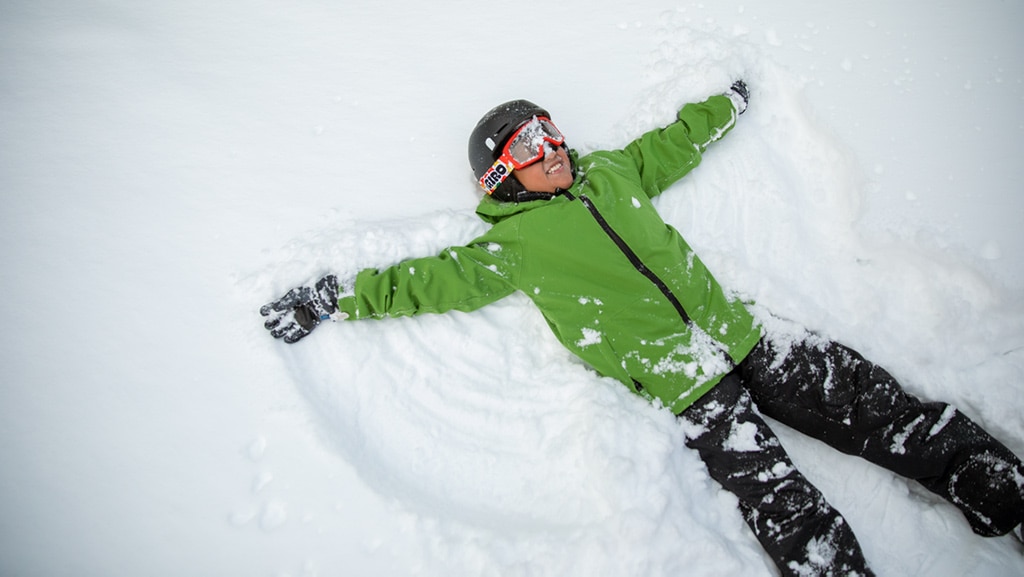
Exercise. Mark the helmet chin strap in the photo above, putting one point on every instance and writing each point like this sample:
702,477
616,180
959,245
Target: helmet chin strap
526,195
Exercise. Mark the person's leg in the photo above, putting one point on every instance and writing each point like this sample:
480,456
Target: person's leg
797,527
830,392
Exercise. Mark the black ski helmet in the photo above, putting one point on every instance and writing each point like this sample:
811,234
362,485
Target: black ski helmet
490,136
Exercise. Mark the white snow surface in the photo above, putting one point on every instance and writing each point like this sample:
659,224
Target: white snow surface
167,167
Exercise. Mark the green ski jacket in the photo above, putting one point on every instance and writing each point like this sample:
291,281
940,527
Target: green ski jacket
619,287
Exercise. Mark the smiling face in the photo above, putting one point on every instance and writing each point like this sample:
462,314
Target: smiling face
548,175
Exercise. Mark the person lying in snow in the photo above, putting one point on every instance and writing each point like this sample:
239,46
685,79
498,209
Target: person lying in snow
623,290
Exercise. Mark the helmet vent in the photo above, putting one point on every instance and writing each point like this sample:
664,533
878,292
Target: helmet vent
489,143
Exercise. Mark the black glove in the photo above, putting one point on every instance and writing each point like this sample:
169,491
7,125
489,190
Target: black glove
298,312
740,95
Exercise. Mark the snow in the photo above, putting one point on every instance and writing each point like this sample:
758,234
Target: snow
168,167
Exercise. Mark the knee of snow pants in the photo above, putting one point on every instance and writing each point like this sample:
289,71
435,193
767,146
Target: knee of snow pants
797,527
830,392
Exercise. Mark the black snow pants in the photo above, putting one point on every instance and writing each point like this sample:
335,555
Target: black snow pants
830,392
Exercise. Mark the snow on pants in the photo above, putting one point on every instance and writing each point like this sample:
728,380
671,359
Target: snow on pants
796,526
830,392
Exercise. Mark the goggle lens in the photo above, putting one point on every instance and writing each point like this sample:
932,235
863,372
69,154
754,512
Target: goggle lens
527,145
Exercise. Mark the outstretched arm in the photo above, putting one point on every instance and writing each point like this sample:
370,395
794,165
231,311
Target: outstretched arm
461,278
664,156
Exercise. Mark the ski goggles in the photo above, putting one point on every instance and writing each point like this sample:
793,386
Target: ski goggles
526,146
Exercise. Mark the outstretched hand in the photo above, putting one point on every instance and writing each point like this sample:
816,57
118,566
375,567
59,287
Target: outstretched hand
301,309
740,95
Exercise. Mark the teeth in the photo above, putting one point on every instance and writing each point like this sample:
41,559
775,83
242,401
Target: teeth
554,168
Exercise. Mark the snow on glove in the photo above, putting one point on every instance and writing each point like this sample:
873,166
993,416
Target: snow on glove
301,309
740,95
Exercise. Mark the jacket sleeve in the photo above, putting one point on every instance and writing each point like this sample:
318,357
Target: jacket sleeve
664,156
460,278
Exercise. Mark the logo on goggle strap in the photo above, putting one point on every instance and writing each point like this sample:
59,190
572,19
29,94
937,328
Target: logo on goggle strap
495,175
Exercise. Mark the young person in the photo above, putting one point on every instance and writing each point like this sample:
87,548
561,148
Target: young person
569,230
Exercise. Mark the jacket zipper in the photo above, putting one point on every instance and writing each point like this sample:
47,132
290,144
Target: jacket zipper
632,256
